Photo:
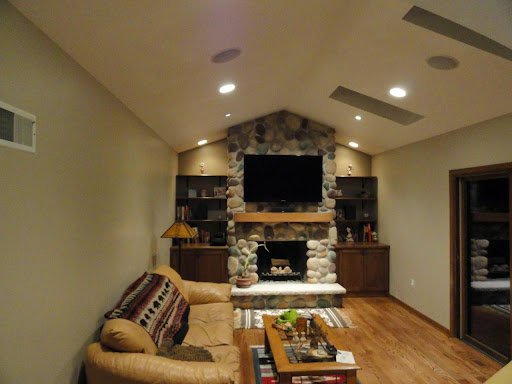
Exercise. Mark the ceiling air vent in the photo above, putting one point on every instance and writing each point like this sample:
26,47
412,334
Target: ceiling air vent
17,128
448,28
377,107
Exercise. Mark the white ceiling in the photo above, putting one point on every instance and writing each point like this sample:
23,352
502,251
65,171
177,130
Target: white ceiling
154,55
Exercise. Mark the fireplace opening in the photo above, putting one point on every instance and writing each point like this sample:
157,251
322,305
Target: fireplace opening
288,259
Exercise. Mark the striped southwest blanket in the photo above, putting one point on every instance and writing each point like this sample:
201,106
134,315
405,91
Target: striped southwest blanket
158,306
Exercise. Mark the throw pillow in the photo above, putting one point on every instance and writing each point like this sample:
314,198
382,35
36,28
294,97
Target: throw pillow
179,352
158,306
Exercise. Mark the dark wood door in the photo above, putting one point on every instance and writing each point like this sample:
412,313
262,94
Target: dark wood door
481,255
351,269
376,269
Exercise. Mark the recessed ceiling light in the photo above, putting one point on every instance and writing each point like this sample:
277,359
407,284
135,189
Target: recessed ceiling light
227,114
202,142
358,117
227,88
226,55
353,144
397,92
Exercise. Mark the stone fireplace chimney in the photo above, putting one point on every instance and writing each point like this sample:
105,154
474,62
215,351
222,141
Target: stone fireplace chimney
281,133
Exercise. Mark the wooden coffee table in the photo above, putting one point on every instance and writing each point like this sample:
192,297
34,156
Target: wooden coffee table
286,370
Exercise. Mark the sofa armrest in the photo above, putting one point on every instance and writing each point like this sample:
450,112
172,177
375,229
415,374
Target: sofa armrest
104,366
205,293
503,376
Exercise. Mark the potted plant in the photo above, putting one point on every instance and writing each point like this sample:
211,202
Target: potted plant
244,281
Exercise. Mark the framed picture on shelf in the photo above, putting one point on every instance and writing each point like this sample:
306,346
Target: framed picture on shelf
219,191
192,193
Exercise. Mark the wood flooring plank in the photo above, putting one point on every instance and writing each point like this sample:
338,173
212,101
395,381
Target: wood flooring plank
393,345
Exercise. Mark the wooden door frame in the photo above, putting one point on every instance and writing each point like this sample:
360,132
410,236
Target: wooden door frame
456,176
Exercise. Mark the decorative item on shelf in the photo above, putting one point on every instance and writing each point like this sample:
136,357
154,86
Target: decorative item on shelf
340,214
201,167
219,191
366,215
375,237
350,168
339,193
179,230
192,193
349,237
244,281
204,192
218,239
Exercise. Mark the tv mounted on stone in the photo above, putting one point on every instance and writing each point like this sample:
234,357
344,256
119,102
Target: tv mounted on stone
283,178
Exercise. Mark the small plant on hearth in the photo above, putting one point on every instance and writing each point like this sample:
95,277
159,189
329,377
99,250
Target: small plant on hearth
244,273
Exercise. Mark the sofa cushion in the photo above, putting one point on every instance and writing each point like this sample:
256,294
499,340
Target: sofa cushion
158,306
210,334
206,313
204,293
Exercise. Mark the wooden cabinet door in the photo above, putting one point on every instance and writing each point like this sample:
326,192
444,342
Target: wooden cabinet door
212,266
376,269
351,269
188,265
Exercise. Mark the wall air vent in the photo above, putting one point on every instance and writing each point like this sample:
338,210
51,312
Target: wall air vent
17,128
377,107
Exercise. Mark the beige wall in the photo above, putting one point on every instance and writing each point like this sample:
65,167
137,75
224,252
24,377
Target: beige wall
414,208
361,162
214,156
79,219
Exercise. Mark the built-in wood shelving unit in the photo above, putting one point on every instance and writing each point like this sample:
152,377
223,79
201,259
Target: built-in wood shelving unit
489,217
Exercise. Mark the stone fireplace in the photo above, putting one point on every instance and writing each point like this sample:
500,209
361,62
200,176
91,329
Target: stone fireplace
281,133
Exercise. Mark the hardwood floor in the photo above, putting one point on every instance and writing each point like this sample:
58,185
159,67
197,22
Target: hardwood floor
392,345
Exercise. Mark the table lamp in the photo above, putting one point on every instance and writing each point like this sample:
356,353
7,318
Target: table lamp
179,230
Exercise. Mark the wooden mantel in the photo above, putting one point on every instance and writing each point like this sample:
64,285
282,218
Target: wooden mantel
283,217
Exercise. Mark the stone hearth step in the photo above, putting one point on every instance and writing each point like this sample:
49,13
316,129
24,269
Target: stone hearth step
288,295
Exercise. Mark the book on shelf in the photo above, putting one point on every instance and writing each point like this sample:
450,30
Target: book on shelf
183,212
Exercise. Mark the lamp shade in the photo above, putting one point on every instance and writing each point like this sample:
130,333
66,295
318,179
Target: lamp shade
180,230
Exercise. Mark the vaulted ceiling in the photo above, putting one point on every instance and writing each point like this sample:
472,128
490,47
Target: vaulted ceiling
155,56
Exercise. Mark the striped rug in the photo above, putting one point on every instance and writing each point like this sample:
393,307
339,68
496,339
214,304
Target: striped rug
252,318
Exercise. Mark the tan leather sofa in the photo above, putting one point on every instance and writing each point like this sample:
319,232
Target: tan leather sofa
503,376
126,353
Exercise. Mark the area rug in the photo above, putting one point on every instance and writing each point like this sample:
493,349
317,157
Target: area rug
252,318
265,370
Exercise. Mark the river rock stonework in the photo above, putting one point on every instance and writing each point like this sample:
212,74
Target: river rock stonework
281,133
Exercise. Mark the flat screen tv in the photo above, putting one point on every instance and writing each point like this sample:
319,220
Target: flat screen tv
282,178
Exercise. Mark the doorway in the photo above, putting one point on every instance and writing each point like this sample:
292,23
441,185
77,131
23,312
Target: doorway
480,215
